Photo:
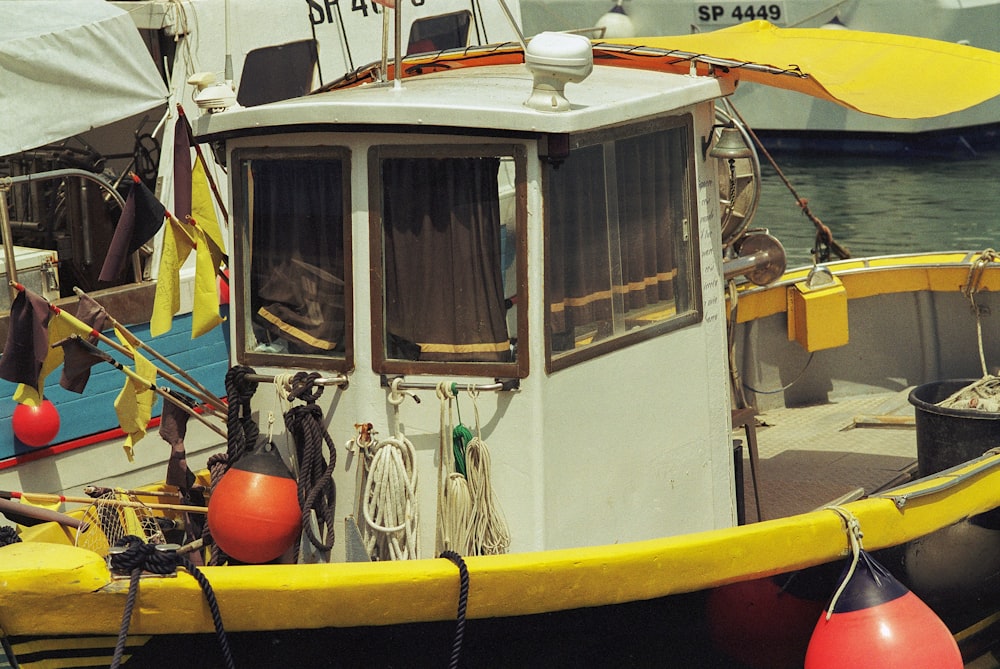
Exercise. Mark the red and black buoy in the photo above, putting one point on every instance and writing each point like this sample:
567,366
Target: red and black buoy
35,426
877,623
254,513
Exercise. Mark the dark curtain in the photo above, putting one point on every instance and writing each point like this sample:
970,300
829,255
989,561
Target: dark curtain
297,268
443,284
578,270
580,278
646,220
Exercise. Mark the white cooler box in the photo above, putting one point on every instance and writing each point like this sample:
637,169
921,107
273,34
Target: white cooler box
37,269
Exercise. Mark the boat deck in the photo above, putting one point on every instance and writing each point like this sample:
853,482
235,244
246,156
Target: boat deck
813,455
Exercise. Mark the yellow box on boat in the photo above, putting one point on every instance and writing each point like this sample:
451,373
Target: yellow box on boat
817,313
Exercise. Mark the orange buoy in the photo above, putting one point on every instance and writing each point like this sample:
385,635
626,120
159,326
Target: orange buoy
254,513
764,623
878,623
35,426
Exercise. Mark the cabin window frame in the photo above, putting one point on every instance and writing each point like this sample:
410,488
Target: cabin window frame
242,237
686,233
381,362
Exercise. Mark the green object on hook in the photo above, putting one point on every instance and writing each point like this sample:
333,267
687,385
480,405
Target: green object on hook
460,436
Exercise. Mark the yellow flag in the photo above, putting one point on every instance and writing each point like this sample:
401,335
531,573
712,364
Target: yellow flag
210,253
176,249
203,210
60,327
134,404
205,314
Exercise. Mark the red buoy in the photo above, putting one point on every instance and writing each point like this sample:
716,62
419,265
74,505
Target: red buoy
762,623
36,426
877,623
254,514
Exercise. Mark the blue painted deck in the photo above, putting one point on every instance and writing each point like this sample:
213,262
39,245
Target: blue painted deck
93,412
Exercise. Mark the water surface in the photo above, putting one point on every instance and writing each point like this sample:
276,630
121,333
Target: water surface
879,206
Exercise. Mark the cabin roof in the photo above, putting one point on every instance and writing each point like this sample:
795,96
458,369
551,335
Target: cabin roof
474,98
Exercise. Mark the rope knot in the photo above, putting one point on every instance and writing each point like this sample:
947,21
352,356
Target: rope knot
131,553
237,381
304,387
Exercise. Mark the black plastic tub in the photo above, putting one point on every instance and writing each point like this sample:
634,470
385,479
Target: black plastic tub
949,437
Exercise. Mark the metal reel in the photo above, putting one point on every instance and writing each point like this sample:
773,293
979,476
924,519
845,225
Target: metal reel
739,182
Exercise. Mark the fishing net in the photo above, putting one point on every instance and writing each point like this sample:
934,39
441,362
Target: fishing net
114,515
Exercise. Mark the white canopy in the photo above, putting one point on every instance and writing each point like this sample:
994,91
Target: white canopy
67,66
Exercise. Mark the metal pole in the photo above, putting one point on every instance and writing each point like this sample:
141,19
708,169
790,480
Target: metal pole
8,243
68,172
397,69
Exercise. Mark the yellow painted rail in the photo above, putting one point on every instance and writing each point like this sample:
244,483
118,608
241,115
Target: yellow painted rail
52,588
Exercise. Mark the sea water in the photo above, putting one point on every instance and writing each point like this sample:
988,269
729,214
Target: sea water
882,206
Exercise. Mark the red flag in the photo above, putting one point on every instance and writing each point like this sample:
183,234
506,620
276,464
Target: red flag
140,220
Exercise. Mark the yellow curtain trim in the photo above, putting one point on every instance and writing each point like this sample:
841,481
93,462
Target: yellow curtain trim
662,277
498,347
296,332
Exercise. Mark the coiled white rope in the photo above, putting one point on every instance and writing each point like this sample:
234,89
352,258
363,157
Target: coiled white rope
489,533
390,508
389,499
454,502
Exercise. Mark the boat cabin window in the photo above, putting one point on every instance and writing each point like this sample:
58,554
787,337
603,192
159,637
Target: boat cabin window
292,255
445,227
278,72
620,249
436,33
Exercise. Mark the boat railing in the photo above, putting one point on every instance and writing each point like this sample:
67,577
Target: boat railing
498,385
7,182
340,380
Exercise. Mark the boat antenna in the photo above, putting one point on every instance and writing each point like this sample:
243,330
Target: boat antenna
513,24
398,14
319,67
228,73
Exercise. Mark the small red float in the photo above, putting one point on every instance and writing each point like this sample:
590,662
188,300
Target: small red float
254,514
878,623
35,426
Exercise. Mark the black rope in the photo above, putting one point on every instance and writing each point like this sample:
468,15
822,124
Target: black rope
463,600
241,429
138,557
8,536
317,491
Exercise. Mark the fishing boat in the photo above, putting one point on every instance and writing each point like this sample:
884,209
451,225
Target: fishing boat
70,152
785,121
516,382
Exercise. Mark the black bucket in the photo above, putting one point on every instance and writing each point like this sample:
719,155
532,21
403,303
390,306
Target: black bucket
949,437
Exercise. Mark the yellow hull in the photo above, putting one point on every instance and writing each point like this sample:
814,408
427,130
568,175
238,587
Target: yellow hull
58,582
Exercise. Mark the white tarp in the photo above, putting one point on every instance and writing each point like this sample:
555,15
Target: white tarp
67,66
